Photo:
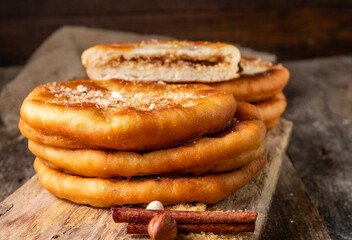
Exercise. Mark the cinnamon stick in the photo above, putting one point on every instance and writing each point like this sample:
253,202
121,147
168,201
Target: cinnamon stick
135,215
197,228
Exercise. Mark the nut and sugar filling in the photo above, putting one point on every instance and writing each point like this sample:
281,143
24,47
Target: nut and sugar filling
169,60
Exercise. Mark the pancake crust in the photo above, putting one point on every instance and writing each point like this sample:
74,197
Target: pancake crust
115,114
258,81
234,148
112,192
272,109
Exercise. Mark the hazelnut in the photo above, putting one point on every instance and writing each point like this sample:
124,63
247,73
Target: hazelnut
162,227
155,205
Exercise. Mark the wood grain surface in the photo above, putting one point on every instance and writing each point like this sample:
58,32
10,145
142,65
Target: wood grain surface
290,29
319,94
292,214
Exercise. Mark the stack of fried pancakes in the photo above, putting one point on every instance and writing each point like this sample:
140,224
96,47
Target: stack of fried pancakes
115,142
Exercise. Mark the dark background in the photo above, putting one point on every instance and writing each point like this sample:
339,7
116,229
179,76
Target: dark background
290,29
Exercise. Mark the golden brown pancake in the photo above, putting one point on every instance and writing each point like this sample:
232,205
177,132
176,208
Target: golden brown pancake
237,146
258,81
115,114
112,192
272,109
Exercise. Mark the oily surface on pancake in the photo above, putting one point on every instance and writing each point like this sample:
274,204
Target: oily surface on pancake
272,109
235,147
258,81
112,192
115,114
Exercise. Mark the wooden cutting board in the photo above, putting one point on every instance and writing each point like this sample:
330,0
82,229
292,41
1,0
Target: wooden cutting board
33,213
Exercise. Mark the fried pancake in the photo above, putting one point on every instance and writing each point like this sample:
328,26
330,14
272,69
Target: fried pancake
115,114
112,192
272,109
237,146
258,81
169,61
247,111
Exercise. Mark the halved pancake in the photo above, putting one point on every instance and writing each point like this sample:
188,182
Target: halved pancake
272,109
112,192
169,61
259,80
237,146
115,114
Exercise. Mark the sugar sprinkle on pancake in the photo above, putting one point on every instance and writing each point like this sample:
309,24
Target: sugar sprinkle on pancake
115,114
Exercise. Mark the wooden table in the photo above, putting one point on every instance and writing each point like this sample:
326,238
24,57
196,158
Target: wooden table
313,199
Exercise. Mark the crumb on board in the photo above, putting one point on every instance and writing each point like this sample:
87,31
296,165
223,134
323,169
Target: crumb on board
213,236
188,207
